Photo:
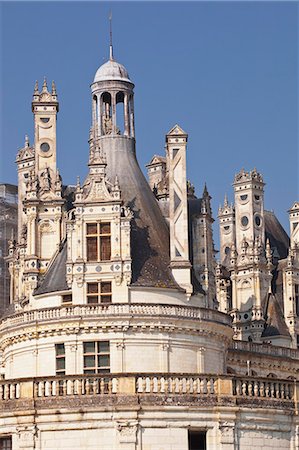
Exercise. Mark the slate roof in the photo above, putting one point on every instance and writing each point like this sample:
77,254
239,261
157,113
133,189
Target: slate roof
279,240
150,232
55,278
275,323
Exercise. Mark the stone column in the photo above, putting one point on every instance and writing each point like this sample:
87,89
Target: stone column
113,107
126,116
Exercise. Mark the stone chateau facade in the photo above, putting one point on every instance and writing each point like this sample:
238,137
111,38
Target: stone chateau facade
123,331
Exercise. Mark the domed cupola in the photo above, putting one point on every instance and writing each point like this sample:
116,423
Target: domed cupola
112,71
112,100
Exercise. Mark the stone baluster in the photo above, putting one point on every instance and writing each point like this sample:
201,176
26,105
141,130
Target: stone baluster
250,388
272,390
12,394
166,385
102,386
159,384
180,385
151,384
256,389
244,388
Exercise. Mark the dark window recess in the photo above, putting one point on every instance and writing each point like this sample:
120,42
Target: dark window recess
5,443
196,440
67,298
244,221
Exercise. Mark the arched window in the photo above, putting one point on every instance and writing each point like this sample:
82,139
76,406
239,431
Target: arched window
120,113
106,112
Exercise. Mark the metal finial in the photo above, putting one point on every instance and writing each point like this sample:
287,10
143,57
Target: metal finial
111,46
26,141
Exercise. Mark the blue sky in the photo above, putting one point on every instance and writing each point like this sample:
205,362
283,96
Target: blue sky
225,71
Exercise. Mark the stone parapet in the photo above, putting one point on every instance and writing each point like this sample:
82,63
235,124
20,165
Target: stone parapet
168,388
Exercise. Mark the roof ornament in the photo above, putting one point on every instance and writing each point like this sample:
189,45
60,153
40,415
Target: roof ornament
225,201
26,141
36,92
45,87
111,46
53,88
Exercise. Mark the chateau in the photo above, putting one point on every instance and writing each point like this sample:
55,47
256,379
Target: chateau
124,332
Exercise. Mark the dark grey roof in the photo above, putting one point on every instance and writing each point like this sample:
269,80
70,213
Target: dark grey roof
55,278
275,323
149,233
279,240
194,210
194,207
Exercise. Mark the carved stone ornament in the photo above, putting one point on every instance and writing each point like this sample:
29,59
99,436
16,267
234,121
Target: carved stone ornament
227,431
26,437
127,431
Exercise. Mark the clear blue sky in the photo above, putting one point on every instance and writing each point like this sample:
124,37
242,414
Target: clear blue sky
225,71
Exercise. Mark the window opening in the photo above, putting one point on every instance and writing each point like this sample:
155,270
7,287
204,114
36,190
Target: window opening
5,443
60,359
196,440
96,357
98,236
99,292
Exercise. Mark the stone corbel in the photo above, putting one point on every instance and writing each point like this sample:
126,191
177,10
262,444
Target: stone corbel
127,431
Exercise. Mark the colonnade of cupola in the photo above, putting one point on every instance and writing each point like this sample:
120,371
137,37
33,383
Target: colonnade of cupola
112,100
113,112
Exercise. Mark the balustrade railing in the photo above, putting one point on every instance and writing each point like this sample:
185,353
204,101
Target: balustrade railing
115,309
151,384
176,385
263,388
265,349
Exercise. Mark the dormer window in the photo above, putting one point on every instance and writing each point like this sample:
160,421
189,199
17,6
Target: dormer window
98,241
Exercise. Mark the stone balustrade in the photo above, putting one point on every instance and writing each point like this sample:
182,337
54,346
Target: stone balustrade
191,385
114,310
265,349
271,388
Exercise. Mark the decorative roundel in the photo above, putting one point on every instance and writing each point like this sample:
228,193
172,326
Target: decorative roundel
45,147
45,119
244,221
257,220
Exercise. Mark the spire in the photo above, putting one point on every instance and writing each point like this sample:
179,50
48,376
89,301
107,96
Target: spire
36,88
26,141
225,201
111,46
205,190
45,87
53,88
